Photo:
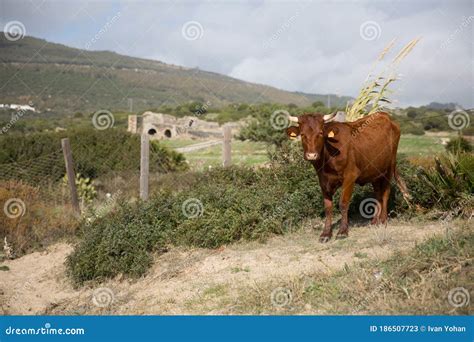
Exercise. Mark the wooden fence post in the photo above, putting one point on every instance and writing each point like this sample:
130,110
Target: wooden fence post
226,148
71,175
144,165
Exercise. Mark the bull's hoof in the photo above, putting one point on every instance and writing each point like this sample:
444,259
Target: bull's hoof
378,220
341,236
324,239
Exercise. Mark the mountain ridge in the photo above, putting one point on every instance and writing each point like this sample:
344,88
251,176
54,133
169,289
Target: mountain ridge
60,78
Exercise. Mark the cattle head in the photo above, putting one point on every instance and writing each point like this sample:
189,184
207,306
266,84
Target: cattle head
311,129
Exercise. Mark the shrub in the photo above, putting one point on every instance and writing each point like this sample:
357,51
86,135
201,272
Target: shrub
268,122
230,204
34,223
432,121
468,130
260,129
85,189
412,113
447,184
412,129
237,203
458,145
95,153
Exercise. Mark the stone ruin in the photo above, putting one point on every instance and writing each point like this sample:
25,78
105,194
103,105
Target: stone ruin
164,126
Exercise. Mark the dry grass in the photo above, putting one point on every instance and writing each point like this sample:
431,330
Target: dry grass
356,275
39,223
422,161
413,282
375,90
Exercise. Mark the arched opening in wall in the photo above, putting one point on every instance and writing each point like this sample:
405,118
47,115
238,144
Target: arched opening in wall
167,133
152,131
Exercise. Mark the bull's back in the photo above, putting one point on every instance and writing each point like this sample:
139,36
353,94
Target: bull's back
374,142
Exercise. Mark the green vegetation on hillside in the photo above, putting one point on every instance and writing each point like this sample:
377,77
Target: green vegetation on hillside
64,80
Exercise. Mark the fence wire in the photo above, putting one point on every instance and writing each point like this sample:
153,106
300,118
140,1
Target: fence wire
111,171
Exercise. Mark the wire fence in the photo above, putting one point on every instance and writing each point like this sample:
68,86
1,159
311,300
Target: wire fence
36,200
107,169
44,178
41,174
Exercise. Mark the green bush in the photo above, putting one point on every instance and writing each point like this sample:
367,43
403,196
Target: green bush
237,203
268,121
95,153
408,128
450,183
458,145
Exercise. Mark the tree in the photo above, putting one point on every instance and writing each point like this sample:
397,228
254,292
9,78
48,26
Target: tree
318,104
412,113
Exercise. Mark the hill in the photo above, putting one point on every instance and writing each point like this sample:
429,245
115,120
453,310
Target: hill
442,106
62,79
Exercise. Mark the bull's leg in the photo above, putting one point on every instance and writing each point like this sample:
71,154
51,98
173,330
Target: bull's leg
378,192
327,231
346,194
385,195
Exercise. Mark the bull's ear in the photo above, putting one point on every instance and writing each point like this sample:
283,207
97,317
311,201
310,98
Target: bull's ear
293,132
332,134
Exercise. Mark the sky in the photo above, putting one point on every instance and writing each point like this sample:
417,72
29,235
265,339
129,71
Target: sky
310,46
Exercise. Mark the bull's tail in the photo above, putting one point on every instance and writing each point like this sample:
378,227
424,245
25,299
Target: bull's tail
403,187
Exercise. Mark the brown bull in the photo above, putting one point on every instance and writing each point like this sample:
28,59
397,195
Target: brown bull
343,154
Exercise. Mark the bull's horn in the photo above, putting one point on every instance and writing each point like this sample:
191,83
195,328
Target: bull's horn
329,117
293,118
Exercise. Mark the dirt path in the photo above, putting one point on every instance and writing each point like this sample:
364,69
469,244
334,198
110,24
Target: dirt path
195,281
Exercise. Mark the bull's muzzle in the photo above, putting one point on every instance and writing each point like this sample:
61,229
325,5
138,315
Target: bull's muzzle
311,156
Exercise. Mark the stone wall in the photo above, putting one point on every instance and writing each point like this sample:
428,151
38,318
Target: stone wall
164,126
